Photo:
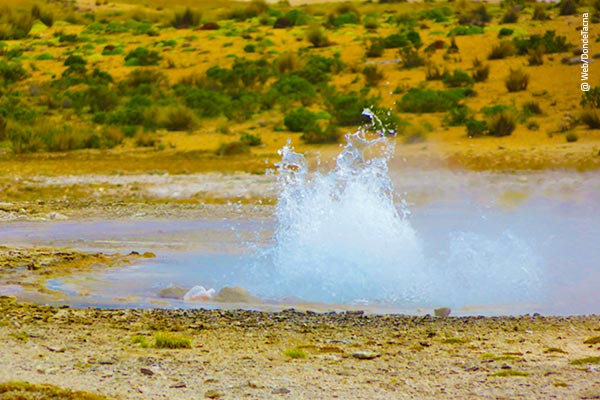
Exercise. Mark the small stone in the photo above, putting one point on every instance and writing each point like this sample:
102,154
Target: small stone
365,355
56,349
234,294
213,394
281,391
178,385
443,312
146,371
172,292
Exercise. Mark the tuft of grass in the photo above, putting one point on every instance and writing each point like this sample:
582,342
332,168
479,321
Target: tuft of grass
592,340
517,80
554,350
502,124
22,336
172,341
295,353
141,340
591,117
481,71
505,48
586,360
571,137
317,37
510,372
28,391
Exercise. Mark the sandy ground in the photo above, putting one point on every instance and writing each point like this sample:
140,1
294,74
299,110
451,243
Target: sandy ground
238,354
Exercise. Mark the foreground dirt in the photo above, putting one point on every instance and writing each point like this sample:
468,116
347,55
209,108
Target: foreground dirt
242,354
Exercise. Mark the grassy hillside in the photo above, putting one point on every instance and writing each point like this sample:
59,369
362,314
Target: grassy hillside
229,78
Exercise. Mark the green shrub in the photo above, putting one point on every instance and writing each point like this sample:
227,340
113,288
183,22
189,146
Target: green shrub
250,48
418,100
101,98
178,118
505,48
14,26
591,117
44,56
591,98
206,103
287,62
457,116
142,57
476,128
517,80
250,140
536,56
317,136
411,58
436,14
505,32
571,137
295,353
375,47
532,108
243,107
539,13
502,124
233,148
478,16
567,7
481,71
458,78
317,37
297,17
510,17
346,109
11,72
300,120
433,71
373,75
293,88
145,76
349,18
395,40
371,23
549,41
318,68
186,19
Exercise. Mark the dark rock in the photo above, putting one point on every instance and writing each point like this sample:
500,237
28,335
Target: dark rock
178,385
146,371
209,26
281,391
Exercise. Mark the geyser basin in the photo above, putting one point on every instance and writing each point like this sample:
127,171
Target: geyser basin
480,242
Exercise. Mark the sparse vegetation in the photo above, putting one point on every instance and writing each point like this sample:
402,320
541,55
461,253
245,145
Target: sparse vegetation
295,353
172,341
517,80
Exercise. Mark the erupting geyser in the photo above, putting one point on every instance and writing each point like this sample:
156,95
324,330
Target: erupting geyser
341,238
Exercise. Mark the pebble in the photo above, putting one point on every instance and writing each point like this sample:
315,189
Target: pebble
365,355
280,391
178,385
146,371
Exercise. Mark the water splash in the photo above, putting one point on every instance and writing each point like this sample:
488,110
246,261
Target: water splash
342,238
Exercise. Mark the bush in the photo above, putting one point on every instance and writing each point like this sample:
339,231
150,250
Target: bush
186,19
532,108
433,71
549,41
511,17
457,116
478,16
539,13
502,124
517,80
297,17
206,103
371,23
233,149
300,120
591,117
177,118
458,78
476,128
567,7
250,139
480,71
318,68
375,47
11,72
571,137
142,57
505,32
287,62
418,100
404,39
317,135
536,56
373,75
250,48
145,76
293,88
346,109
12,26
317,37
411,58
591,98
101,98
436,14
505,48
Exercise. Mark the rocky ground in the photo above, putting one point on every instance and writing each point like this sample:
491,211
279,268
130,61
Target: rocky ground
299,355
